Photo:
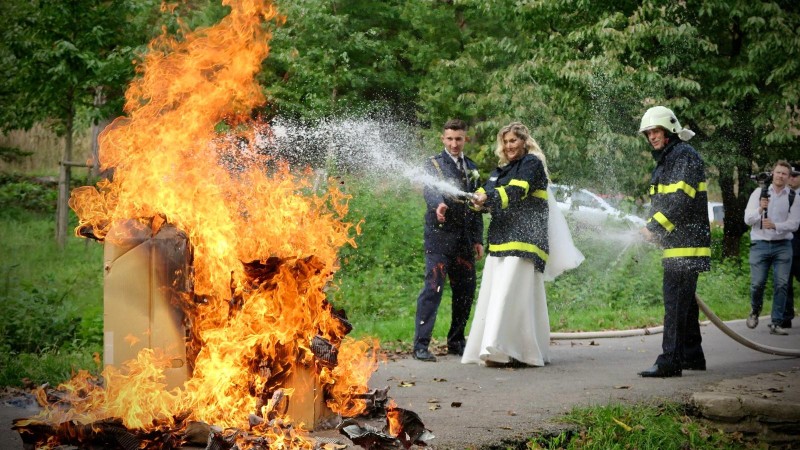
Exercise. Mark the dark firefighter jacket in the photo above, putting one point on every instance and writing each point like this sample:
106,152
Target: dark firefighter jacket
679,212
462,227
517,199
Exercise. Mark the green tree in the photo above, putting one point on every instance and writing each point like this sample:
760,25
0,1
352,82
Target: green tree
581,73
62,58
729,68
70,61
748,107
333,56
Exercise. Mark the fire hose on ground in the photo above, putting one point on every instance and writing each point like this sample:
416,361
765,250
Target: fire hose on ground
794,353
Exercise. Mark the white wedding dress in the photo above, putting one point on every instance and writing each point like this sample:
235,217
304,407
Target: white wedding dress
511,319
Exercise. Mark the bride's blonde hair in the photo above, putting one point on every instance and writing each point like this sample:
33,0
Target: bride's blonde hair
530,146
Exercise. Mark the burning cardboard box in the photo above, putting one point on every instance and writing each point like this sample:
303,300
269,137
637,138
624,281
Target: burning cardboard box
144,271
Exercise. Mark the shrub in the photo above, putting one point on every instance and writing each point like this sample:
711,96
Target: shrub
37,321
29,196
13,154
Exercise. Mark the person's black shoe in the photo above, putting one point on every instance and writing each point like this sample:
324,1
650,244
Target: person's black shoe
424,355
455,349
694,365
786,323
660,372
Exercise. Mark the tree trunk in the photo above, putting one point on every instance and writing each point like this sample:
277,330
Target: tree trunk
733,181
734,201
735,185
65,174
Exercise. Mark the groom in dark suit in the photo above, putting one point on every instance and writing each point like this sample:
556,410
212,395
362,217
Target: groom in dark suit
453,237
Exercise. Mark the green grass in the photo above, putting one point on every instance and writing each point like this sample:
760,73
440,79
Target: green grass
52,300
663,427
29,369
34,261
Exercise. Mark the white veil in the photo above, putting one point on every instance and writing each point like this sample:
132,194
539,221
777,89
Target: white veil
563,254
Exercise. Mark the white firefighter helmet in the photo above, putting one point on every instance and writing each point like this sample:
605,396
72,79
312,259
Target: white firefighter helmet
660,116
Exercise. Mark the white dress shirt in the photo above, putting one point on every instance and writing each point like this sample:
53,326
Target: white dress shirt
778,211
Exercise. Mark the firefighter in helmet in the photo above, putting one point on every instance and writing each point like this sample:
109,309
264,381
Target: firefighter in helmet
678,223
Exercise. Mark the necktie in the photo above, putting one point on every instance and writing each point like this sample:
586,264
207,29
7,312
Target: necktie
461,166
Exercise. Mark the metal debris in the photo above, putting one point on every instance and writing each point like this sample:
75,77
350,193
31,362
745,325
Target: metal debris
376,400
367,436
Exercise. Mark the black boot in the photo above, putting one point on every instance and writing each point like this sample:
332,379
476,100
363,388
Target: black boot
661,371
424,355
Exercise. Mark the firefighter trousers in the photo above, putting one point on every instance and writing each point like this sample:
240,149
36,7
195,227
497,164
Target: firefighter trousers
681,341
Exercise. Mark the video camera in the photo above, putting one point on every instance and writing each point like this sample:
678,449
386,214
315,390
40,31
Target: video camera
764,179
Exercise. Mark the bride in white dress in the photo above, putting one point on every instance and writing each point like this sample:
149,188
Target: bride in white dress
511,323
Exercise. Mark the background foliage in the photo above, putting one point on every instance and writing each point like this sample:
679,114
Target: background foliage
579,72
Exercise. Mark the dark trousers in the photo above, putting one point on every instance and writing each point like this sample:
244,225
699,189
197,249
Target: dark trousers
766,255
681,340
461,271
788,312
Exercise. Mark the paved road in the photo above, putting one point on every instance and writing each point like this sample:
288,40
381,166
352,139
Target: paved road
511,404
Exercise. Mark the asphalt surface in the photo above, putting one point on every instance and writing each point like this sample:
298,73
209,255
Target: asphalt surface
469,406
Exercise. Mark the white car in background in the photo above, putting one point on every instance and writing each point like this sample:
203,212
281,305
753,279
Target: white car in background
715,212
588,206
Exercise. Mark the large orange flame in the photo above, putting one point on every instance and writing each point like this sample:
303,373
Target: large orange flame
168,162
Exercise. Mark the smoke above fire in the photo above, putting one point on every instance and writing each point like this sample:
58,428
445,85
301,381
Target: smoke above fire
172,166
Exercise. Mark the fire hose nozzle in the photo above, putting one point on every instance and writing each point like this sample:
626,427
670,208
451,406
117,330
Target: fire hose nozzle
467,196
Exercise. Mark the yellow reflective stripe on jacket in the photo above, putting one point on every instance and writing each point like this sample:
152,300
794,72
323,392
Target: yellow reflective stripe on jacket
521,184
662,219
480,190
687,251
501,191
679,186
540,193
515,245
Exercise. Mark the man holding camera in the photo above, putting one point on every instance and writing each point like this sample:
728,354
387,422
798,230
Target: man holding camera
772,223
